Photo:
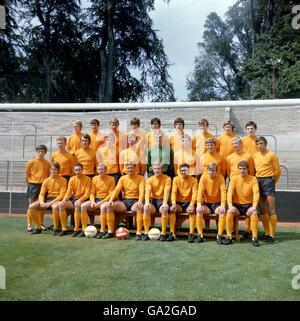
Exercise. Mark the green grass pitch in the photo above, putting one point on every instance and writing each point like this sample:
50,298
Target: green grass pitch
44,267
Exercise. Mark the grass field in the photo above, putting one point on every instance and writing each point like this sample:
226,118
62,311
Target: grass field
44,267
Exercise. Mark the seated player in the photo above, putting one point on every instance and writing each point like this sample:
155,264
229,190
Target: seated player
183,198
97,138
161,153
224,146
108,155
74,141
86,156
211,199
52,192
200,138
102,187
133,154
185,155
157,194
133,187
64,158
78,191
242,199
232,169
249,141
36,171
268,172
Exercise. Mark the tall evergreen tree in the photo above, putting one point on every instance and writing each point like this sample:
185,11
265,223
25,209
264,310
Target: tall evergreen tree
123,34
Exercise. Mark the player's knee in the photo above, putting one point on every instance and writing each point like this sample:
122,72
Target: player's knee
103,209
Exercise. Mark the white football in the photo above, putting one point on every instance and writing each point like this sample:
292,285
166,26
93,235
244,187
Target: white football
90,231
154,234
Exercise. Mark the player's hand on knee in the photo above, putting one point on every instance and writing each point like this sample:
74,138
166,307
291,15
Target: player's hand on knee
190,210
173,208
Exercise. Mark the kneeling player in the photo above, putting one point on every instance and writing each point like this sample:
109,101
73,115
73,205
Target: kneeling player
102,188
242,198
133,186
78,191
158,189
211,199
52,191
184,196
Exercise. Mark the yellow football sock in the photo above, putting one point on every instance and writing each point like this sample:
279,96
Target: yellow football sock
192,219
199,223
36,218
77,218
254,225
56,219
266,223
41,214
102,222
29,217
221,224
229,225
84,220
139,223
164,223
63,219
247,224
273,224
172,219
110,216
147,222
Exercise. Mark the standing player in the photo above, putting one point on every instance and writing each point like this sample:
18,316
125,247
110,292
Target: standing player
120,137
158,189
212,156
155,129
74,141
133,154
200,138
211,199
177,136
161,153
224,146
64,158
78,191
183,197
249,141
268,171
86,156
102,187
108,155
242,198
133,186
52,191
135,128
36,171
238,154
97,138
185,155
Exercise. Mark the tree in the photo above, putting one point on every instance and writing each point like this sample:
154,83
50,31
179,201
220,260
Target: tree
233,54
10,73
123,34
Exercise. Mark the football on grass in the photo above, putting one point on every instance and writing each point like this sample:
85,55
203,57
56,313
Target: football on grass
122,233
